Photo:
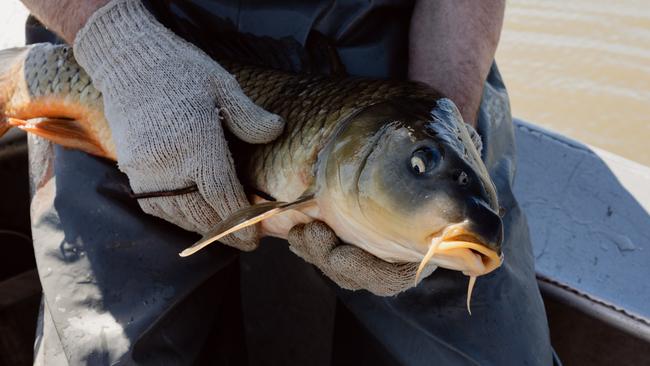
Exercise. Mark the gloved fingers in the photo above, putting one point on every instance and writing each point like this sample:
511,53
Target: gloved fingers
159,96
217,181
223,192
313,242
372,273
348,266
189,211
242,117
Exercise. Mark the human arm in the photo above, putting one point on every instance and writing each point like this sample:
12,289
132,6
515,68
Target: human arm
167,104
64,17
452,45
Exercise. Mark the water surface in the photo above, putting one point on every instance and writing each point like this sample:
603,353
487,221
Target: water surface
581,68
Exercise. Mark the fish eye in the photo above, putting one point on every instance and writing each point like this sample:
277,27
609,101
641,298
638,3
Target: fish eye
424,160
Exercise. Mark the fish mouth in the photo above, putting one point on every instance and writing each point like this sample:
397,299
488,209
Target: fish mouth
458,248
473,254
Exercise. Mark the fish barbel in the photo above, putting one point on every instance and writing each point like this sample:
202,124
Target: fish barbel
388,165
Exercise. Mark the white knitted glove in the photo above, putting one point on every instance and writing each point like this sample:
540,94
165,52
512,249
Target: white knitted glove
348,266
163,98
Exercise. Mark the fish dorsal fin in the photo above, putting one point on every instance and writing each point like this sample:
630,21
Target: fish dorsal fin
476,138
66,132
246,217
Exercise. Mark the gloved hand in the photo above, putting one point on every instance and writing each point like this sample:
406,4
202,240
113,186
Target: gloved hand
349,266
165,101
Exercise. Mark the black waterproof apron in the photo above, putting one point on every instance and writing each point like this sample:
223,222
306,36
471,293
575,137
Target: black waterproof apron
116,290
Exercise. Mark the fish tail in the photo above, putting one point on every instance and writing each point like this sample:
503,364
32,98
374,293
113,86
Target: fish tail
10,62
36,96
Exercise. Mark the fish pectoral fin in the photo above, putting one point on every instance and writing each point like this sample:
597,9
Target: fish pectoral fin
243,218
66,132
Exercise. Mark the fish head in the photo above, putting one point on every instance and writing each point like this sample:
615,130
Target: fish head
404,181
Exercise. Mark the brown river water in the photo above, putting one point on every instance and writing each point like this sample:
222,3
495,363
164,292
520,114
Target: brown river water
581,68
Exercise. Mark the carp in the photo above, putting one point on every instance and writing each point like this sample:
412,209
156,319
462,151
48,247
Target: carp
390,166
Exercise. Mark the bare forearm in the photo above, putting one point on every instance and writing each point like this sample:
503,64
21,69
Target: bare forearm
65,17
452,45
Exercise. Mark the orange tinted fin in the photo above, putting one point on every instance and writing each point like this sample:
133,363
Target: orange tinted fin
66,132
245,217
10,61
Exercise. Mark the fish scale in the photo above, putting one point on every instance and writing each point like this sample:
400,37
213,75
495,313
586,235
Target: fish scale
312,106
